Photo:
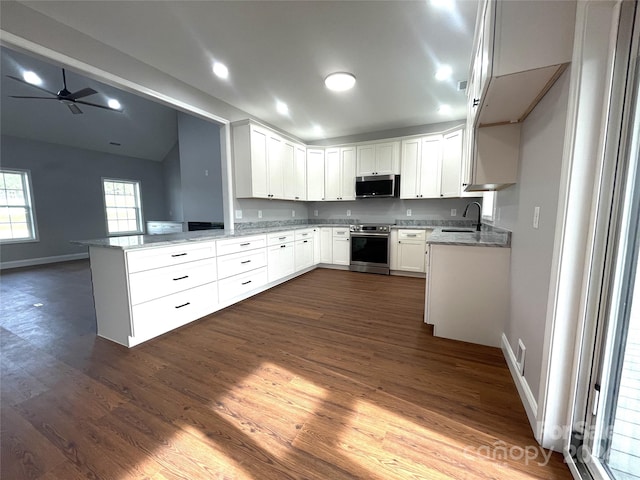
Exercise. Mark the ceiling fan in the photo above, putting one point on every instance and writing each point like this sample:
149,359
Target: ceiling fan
70,99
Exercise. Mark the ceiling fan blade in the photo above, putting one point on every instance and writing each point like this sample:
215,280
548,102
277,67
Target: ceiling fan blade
32,85
99,106
85,92
39,98
74,108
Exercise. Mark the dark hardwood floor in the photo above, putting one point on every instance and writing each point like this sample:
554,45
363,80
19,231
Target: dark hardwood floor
330,376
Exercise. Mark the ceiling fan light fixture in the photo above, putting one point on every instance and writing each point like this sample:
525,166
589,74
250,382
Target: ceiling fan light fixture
32,78
115,104
340,81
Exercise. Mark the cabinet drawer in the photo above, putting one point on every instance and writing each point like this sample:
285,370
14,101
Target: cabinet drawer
240,285
304,234
160,282
148,258
417,235
164,314
340,231
280,237
235,245
237,263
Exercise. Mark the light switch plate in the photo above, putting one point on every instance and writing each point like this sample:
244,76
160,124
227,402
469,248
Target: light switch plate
536,217
238,214
259,213
315,213
408,212
348,213
454,212
293,213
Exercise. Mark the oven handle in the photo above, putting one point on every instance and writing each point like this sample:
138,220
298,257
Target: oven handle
362,234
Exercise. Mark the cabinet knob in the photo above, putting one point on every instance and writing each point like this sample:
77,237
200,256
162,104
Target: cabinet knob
476,102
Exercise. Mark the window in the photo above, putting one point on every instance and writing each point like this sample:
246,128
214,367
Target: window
488,205
16,210
122,206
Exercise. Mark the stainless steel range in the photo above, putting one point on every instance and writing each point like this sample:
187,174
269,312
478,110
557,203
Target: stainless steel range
370,248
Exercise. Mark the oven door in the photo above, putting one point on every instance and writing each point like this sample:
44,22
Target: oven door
370,252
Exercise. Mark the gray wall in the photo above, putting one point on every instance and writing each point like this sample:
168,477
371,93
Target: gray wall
271,210
200,169
538,184
172,186
67,193
371,210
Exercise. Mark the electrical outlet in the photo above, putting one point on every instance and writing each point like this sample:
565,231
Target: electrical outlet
293,213
348,213
315,213
536,217
520,356
259,213
206,173
238,214
454,212
408,212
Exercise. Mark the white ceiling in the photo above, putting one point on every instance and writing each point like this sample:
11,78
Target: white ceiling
144,129
282,50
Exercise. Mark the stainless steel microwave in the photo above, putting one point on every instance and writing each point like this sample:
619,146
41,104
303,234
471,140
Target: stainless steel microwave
378,186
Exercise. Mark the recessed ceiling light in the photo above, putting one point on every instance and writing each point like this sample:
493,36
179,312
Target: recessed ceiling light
282,107
221,70
444,109
113,103
443,73
32,78
444,4
318,130
340,81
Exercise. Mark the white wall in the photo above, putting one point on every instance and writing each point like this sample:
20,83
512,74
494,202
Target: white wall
541,150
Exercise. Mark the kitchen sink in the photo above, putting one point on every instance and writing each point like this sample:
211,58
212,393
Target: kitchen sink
458,230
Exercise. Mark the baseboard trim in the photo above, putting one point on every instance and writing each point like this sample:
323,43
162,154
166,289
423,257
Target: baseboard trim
526,395
30,262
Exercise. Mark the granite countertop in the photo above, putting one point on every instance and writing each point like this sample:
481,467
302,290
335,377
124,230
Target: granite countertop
131,242
486,238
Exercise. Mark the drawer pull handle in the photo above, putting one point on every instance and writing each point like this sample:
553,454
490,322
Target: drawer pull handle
245,244
304,234
305,241
246,283
281,238
184,305
283,246
412,235
181,278
246,261
178,255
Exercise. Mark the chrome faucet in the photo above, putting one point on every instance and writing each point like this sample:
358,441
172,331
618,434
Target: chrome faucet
479,224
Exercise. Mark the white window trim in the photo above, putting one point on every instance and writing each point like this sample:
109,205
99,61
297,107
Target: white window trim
36,236
140,230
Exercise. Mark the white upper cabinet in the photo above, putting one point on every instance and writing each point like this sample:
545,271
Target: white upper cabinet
300,173
378,159
266,164
315,174
340,173
432,165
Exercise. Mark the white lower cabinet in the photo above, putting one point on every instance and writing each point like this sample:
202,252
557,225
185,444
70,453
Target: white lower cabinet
479,276
341,246
159,316
411,250
316,246
280,261
303,254
326,245
238,286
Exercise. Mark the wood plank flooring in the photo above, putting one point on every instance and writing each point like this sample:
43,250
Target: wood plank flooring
332,375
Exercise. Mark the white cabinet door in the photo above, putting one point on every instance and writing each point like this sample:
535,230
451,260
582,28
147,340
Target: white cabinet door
387,158
300,173
280,261
411,256
316,246
430,166
288,154
451,164
332,174
326,245
259,179
275,166
410,172
304,254
315,174
393,249
366,160
348,173
341,250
